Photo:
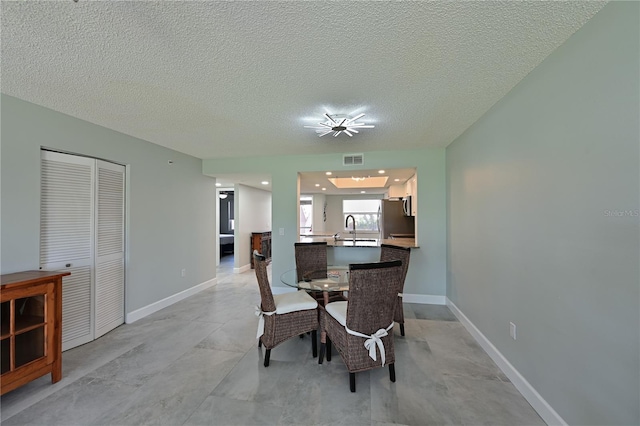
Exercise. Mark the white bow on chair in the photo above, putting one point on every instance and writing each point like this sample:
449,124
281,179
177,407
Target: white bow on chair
260,314
372,341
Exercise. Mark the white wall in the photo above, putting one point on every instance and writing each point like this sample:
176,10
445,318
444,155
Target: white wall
253,214
318,216
171,220
534,237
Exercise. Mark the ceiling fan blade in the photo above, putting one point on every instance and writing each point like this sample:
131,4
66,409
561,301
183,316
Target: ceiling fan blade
362,126
347,132
342,122
335,135
330,119
325,133
352,130
351,120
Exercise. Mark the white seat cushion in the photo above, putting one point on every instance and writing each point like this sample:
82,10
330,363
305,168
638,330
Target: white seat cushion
338,310
294,301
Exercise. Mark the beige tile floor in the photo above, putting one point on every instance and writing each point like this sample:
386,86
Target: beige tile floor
197,363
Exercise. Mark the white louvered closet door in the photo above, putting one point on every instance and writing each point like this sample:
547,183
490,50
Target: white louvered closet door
67,238
109,247
82,231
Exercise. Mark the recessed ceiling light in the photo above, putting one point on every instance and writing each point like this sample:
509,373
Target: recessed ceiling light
363,192
324,189
264,182
339,123
218,184
396,180
327,173
381,171
317,184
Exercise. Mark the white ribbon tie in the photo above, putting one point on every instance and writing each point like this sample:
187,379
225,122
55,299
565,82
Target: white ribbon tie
373,341
260,314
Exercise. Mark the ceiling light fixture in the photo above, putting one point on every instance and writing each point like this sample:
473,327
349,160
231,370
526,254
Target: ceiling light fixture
337,124
223,195
358,179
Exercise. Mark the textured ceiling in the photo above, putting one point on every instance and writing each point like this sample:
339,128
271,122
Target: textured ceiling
221,79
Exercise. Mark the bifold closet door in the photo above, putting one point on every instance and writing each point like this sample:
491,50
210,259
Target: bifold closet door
82,231
109,247
67,206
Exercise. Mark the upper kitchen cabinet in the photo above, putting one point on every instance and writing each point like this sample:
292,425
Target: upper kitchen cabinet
397,191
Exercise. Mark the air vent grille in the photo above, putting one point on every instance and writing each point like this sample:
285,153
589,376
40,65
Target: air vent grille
353,159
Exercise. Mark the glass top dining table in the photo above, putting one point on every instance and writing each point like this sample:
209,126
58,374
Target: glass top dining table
337,279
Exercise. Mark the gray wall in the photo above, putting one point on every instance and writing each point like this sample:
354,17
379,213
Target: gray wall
538,234
171,210
226,207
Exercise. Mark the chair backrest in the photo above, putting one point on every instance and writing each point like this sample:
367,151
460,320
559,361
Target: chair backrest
266,296
371,299
390,252
311,260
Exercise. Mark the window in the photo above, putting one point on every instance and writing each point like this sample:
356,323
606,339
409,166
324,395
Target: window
306,215
365,212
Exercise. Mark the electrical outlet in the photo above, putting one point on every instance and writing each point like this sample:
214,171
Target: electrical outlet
183,273
512,330
281,231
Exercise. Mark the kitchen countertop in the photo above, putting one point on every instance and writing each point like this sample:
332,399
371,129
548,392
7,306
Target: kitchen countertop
360,241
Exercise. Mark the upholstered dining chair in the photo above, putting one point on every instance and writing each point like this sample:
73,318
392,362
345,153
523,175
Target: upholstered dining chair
362,327
311,262
390,252
282,316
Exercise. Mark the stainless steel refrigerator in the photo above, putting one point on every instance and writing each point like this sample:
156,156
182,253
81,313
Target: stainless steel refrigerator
394,221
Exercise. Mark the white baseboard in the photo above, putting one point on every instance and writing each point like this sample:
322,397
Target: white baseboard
425,299
242,269
548,414
167,301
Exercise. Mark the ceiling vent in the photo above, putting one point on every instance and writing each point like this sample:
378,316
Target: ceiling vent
353,159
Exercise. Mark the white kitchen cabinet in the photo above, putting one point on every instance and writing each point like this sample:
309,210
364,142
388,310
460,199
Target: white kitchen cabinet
412,190
397,191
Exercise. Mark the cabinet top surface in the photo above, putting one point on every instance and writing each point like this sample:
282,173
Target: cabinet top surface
27,277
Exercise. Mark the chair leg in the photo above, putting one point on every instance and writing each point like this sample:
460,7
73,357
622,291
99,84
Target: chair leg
401,329
314,343
328,349
392,373
267,354
322,349
352,381
259,343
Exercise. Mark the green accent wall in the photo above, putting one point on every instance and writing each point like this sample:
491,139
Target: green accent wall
543,199
427,270
171,208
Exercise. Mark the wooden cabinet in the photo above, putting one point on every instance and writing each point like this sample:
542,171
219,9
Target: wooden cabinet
261,241
31,327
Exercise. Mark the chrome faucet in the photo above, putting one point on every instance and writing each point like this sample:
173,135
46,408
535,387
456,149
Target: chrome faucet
346,225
